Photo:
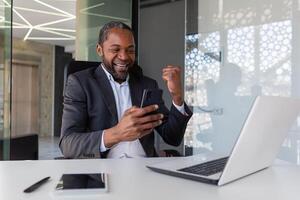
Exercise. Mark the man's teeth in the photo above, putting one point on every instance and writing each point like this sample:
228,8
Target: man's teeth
119,65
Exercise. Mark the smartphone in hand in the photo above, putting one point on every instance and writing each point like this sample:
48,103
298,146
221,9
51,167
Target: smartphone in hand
151,97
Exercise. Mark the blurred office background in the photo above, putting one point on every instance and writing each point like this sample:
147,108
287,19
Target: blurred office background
230,51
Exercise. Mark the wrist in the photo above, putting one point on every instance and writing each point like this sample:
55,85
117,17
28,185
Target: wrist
111,137
178,100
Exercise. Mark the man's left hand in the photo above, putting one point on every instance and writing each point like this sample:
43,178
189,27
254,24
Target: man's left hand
171,74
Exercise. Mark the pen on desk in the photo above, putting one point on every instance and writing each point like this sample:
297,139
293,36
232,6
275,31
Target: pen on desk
36,185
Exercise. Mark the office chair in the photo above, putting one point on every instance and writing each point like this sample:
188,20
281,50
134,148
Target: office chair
76,66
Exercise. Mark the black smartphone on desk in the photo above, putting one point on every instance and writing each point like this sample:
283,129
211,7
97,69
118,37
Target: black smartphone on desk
151,97
82,183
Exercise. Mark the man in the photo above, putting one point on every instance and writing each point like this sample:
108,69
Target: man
101,117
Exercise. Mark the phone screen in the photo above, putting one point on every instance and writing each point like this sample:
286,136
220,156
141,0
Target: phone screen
82,181
151,97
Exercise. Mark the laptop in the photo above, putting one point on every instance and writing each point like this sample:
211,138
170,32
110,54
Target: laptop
263,132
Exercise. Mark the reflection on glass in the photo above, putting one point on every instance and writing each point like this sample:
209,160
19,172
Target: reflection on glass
201,64
237,53
82,181
91,16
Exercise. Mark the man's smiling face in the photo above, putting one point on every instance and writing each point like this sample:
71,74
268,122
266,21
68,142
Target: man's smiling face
118,53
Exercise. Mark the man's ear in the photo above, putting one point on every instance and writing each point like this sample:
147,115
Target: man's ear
99,50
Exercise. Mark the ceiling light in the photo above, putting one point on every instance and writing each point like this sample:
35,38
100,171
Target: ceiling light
54,22
15,25
23,18
7,5
17,13
107,16
54,8
48,38
60,32
41,11
59,29
55,32
94,6
28,33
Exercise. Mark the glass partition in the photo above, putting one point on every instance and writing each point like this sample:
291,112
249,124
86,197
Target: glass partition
45,36
5,74
91,16
236,50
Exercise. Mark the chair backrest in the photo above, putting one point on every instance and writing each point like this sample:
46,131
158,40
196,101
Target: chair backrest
76,65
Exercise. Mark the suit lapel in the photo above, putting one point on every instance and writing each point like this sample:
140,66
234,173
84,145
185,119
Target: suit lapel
107,92
136,91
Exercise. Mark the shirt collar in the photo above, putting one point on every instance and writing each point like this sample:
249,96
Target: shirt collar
111,78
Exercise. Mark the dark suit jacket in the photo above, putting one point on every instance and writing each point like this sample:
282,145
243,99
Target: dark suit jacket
90,108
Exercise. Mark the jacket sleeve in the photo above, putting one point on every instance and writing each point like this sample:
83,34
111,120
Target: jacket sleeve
174,123
76,140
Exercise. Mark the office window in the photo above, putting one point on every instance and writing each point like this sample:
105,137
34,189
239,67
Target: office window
234,53
47,35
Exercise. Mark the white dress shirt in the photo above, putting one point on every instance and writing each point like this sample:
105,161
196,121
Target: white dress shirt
126,149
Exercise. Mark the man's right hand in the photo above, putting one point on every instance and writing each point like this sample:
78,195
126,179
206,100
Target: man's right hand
134,124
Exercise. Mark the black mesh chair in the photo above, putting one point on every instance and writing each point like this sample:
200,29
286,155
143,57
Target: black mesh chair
75,66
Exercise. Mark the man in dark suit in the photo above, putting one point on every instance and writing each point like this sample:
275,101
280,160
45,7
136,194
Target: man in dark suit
101,116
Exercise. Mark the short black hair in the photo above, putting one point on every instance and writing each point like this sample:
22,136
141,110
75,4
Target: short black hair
104,31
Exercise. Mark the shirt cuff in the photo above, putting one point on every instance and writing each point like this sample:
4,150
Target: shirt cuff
180,108
102,146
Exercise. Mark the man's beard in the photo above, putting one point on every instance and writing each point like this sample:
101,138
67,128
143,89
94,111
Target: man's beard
111,68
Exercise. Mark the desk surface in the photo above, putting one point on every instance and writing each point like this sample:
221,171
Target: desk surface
130,179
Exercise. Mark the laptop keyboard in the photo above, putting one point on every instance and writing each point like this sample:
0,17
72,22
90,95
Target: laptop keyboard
207,168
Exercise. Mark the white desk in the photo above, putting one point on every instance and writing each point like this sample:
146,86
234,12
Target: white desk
130,179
